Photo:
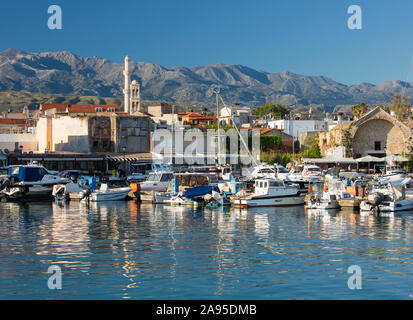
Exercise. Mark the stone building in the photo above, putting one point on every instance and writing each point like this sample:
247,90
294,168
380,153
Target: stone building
377,133
94,133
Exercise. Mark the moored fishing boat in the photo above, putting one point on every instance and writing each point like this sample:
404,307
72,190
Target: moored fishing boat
29,182
270,193
324,199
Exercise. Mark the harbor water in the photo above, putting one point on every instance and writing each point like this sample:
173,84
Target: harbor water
123,250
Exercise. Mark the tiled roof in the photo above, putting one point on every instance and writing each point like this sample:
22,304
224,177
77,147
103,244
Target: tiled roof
197,116
57,106
12,121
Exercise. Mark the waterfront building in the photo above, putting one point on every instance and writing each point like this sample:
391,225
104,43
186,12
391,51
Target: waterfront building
96,132
377,133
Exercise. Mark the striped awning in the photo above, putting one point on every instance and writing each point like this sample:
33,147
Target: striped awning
130,157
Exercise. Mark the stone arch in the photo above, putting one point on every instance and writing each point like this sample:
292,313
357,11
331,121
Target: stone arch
376,134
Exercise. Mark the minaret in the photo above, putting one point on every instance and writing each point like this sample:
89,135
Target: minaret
126,90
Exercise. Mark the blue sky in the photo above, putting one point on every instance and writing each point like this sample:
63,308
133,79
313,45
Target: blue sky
301,36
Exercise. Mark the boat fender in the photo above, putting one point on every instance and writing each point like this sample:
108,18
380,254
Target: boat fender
310,189
134,187
325,188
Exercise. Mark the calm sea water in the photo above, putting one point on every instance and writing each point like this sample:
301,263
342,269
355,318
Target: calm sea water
121,250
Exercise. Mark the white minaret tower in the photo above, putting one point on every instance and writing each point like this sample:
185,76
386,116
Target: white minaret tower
126,89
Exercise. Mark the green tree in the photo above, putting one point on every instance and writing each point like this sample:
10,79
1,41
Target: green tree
313,151
401,107
277,111
385,107
359,110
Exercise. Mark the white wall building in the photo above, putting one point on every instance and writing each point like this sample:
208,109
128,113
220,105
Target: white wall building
296,127
238,115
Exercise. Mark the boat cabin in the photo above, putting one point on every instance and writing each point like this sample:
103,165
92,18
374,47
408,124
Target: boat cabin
160,176
312,170
394,169
264,186
27,173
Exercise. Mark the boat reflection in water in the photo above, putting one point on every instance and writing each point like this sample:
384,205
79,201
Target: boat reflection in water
122,250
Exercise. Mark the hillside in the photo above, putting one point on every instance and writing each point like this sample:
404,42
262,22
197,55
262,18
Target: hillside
66,73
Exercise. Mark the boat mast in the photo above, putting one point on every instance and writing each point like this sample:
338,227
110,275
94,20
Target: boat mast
239,134
173,134
289,124
219,137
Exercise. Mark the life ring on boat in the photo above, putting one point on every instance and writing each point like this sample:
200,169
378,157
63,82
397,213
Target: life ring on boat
366,191
310,189
325,188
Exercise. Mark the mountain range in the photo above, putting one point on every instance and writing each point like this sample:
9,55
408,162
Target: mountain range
63,72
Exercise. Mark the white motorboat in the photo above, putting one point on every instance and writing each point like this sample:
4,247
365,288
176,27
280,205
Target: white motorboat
271,193
338,187
180,200
386,197
324,199
105,193
25,182
282,172
304,175
68,191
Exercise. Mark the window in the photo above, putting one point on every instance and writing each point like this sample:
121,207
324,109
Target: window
275,184
377,145
166,177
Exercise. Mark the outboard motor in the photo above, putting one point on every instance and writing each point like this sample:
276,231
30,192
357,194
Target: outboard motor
85,194
375,199
5,183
